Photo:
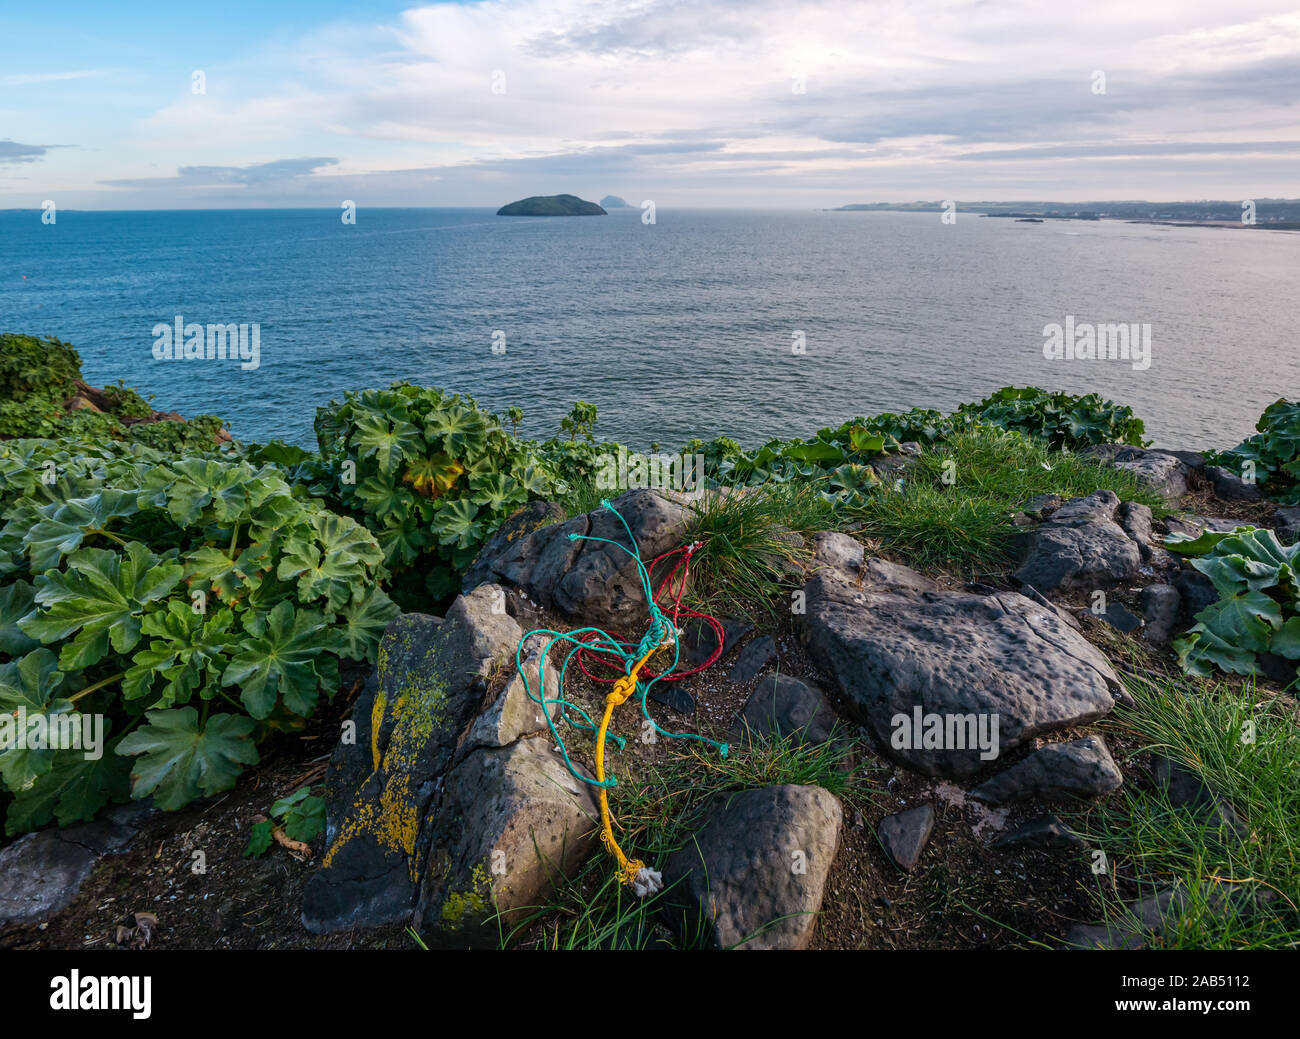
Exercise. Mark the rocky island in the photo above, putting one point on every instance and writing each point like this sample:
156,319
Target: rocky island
551,205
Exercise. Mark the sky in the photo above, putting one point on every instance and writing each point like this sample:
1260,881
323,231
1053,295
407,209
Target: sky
746,103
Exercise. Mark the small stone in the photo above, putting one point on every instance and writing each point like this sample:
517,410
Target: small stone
1119,616
782,706
1160,604
1231,487
752,659
1046,832
1080,768
904,836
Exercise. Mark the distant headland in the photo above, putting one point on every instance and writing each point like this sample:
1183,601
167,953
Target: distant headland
614,202
551,205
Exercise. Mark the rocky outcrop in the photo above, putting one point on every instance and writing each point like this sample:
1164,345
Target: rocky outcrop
899,646
592,580
1087,544
754,876
444,797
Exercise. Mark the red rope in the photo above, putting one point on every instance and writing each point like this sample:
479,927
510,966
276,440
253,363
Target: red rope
678,611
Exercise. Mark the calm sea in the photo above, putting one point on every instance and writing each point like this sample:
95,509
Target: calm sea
681,328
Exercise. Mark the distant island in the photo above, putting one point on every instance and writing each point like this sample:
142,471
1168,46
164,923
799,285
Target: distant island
551,205
1276,214
614,202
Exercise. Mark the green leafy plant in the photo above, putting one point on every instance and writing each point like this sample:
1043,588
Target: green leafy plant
578,423
429,473
1273,453
1258,609
194,604
36,377
301,816
1060,419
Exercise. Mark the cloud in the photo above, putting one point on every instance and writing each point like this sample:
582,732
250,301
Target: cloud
29,78
259,175
13,152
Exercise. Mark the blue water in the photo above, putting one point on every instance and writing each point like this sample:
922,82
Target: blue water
675,330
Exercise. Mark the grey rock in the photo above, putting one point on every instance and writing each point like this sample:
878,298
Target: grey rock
782,706
737,880
41,874
904,836
1196,592
1081,547
1147,919
1042,833
1040,506
673,695
431,680
512,824
1080,768
699,639
839,551
1231,487
900,642
1165,472
752,659
1160,604
514,713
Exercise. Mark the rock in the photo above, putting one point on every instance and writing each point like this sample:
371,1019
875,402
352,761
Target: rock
783,706
753,877
594,581
833,549
1040,506
899,643
1043,833
1185,789
1160,603
1081,547
1080,768
1288,525
1121,618
431,679
522,522
904,836
514,713
752,659
512,824
1231,487
1196,592
672,694
42,873
699,639
1146,920
1165,472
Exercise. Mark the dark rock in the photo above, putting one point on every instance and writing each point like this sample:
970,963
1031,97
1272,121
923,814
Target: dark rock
752,659
431,681
1160,603
673,695
753,877
699,639
1080,768
1081,547
1288,525
833,549
1185,789
594,581
899,641
1231,487
1043,833
1164,472
1196,592
904,836
1040,506
783,706
533,516
42,873
1119,616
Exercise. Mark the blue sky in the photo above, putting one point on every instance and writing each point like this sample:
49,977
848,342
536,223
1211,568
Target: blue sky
687,102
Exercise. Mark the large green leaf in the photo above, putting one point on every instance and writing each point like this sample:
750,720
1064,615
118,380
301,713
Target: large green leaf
279,661
389,440
73,790
63,527
101,595
334,563
188,651
360,624
207,488
27,688
179,761
17,600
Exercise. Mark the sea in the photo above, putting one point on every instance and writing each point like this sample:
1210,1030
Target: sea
746,323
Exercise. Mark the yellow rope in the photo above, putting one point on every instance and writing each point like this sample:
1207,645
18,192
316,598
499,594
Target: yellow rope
622,691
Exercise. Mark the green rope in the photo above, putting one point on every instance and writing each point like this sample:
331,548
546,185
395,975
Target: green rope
659,626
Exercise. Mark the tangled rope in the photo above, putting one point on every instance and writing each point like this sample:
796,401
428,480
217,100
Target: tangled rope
631,659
